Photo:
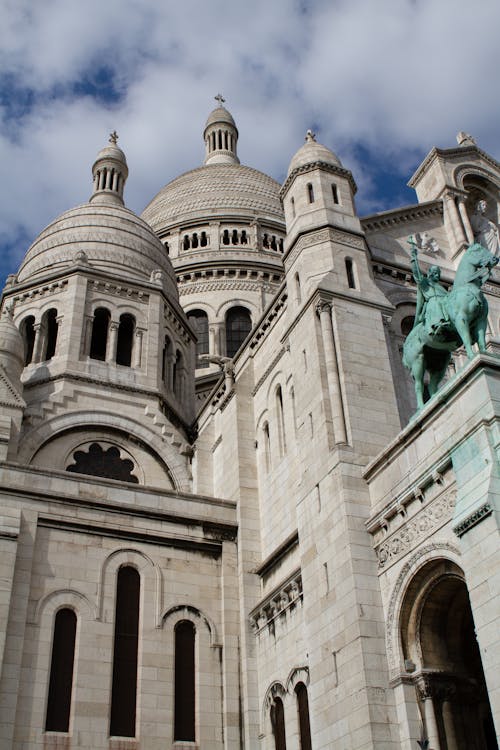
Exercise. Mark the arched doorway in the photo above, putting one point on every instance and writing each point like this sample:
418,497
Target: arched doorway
442,653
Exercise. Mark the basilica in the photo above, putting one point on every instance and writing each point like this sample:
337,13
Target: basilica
224,521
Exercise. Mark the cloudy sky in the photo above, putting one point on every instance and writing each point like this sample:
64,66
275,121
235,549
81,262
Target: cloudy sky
380,81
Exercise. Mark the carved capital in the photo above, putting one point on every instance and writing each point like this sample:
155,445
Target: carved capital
323,306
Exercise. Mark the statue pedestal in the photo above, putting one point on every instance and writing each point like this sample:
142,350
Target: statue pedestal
435,493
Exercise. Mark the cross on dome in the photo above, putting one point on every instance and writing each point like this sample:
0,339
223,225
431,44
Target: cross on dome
219,98
310,137
113,137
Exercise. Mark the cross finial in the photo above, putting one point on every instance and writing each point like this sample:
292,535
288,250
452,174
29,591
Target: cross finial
310,136
113,137
219,98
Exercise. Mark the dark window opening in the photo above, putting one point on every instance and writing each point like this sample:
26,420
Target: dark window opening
281,246
167,248
407,324
185,244
349,269
244,239
225,237
195,240
199,321
98,462
303,711
177,374
234,238
28,334
184,719
99,340
335,193
292,203
265,241
310,192
238,326
203,240
125,341
124,686
219,133
274,246
61,672
51,327
278,724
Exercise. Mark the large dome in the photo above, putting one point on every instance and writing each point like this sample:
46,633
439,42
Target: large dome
215,190
113,239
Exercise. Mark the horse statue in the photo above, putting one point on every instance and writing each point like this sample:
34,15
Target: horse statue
444,320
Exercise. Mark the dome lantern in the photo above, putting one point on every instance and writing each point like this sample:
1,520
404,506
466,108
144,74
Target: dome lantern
220,136
110,173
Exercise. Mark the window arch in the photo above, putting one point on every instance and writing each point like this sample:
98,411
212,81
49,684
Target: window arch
61,672
303,716
124,685
238,326
199,321
99,338
125,341
278,724
310,192
50,325
27,329
185,693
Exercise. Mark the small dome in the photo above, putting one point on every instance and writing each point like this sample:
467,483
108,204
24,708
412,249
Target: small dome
112,152
312,152
11,346
109,236
220,114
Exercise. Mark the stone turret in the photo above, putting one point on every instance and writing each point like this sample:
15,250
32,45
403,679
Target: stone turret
110,173
220,136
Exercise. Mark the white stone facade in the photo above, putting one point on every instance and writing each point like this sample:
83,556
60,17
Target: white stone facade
313,568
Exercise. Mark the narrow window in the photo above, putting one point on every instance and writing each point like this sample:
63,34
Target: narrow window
203,240
177,374
265,241
186,243
335,193
220,138
61,672
194,242
165,363
99,339
278,724
124,687
238,326
303,712
167,248
273,243
126,329
234,238
225,140
51,326
199,321
225,237
28,334
281,420
244,239
292,203
184,718
280,245
267,445
294,413
310,192
298,292
349,269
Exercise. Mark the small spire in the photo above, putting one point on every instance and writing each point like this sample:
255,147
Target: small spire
310,137
219,98
464,139
113,137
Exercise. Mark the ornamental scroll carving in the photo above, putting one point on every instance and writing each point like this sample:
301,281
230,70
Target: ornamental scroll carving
417,528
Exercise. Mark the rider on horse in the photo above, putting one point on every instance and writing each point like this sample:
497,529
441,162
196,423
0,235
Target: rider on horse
431,297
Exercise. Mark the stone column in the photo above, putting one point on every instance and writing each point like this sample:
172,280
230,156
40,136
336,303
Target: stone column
37,346
324,310
449,726
139,332
430,721
112,341
465,219
454,221
87,339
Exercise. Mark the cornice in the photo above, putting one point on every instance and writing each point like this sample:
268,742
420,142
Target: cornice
401,215
325,167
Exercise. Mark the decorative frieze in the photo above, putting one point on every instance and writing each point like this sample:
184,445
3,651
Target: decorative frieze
474,518
280,603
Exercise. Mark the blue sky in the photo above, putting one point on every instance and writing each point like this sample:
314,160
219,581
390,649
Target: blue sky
380,82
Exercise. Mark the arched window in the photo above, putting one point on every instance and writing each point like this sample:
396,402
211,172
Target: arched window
126,330
335,193
99,339
203,240
349,269
267,445
265,241
199,321
234,237
124,686
298,291
292,203
244,239
28,333
177,374
310,192
281,421
195,240
184,711
274,246
303,715
50,325
185,243
278,724
225,237
61,672
165,362
238,326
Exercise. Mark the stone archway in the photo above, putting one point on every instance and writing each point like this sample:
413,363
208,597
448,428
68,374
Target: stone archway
441,650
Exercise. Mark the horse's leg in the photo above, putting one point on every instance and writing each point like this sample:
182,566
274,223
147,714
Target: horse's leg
436,376
417,371
462,327
480,330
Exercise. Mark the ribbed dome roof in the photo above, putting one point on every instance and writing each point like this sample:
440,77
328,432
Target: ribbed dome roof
113,239
311,152
212,190
219,114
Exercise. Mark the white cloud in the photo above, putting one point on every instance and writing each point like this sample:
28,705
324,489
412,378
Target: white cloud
398,76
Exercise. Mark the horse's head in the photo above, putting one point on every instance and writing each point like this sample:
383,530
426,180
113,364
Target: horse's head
480,256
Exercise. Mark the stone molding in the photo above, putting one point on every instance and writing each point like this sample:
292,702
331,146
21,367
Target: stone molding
325,167
44,290
266,322
279,603
473,519
438,512
402,215
119,290
268,370
224,284
327,234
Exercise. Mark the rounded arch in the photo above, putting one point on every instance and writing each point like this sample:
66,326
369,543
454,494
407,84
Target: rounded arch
130,556
179,612
275,690
61,599
431,552
160,445
238,324
225,306
463,171
296,675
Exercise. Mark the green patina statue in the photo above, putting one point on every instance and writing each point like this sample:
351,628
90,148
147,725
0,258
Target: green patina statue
444,321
